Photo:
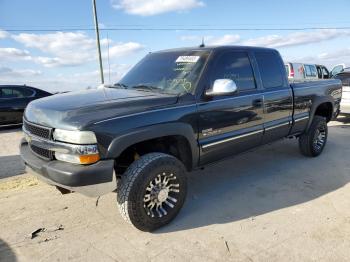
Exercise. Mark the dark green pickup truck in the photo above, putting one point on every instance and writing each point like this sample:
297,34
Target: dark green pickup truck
175,111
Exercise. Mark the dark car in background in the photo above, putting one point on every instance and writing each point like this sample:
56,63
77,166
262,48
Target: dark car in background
13,101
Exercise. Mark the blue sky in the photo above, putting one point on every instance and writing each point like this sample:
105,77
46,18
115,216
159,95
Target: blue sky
66,60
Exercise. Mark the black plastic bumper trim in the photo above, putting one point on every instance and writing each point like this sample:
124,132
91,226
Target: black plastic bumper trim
65,173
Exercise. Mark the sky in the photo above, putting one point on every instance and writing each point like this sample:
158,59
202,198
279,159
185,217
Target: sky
52,44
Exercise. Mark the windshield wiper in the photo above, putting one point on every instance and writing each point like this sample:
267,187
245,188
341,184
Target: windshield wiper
119,85
147,88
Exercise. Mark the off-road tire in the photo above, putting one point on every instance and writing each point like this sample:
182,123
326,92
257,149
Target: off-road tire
307,140
132,188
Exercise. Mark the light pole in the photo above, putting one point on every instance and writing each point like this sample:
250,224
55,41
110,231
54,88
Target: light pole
98,42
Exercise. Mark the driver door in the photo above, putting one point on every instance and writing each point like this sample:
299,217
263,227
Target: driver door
230,124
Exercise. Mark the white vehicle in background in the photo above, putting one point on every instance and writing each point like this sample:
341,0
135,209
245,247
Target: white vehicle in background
344,76
338,69
298,72
310,72
295,71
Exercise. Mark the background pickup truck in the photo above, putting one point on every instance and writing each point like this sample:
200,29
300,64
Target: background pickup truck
175,111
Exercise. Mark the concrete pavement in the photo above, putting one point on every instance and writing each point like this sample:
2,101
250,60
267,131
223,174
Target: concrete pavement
270,204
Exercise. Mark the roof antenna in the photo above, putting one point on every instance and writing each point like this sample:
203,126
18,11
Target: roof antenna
202,44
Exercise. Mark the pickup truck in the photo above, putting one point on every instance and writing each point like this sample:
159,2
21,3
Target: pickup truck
175,111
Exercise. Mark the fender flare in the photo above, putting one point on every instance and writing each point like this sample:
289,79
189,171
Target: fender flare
120,143
315,104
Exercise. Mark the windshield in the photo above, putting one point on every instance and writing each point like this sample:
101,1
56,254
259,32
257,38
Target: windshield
173,72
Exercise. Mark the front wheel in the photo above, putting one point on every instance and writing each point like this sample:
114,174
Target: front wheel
312,142
152,191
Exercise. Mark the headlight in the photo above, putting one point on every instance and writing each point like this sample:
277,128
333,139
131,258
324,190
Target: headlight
75,137
82,154
85,150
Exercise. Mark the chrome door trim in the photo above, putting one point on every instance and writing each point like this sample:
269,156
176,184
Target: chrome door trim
277,126
232,138
301,119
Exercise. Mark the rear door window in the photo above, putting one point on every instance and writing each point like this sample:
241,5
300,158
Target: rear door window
270,69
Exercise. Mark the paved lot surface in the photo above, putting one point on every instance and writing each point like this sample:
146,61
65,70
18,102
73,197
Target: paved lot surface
271,204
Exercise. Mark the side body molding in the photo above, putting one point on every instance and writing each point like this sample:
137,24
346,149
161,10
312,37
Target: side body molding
119,144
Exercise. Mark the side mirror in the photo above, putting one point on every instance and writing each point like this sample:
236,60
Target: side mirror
222,87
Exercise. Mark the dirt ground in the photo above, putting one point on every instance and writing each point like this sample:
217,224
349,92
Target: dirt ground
270,204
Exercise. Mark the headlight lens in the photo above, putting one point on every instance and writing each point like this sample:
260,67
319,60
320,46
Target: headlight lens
75,137
85,149
84,154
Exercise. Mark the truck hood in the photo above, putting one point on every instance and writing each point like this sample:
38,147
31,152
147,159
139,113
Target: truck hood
75,110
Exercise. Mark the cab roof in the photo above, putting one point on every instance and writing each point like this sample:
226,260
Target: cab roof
214,48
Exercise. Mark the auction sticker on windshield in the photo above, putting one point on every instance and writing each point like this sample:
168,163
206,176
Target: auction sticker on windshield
187,59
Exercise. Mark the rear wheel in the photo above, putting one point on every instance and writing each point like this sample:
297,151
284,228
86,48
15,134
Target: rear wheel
314,140
152,191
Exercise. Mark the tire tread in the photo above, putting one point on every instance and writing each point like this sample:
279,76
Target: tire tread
306,139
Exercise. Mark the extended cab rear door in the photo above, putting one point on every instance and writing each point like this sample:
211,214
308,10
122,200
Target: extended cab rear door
233,123
277,95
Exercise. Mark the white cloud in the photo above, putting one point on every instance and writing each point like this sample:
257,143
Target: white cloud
71,48
117,71
329,59
123,49
3,34
61,82
298,38
227,39
67,48
273,41
9,53
224,40
154,7
56,43
18,73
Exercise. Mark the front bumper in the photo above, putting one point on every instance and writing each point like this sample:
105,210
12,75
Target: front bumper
91,180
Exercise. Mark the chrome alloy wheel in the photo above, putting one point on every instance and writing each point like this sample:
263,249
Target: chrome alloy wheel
320,137
161,195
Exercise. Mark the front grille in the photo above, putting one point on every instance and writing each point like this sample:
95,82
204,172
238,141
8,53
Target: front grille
36,130
40,132
41,152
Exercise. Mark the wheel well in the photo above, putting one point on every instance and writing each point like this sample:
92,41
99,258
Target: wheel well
177,146
325,110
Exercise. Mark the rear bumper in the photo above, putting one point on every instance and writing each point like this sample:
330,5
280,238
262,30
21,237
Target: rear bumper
91,180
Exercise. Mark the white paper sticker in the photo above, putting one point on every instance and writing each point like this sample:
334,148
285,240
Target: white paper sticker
187,59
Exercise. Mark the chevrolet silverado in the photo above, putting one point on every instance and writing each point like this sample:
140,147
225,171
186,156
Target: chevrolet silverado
173,112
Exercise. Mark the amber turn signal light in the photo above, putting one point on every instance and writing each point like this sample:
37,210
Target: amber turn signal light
89,159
